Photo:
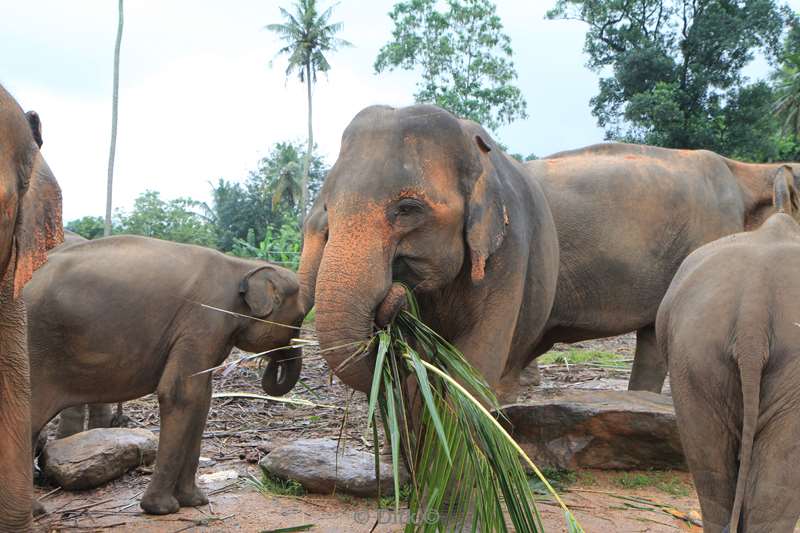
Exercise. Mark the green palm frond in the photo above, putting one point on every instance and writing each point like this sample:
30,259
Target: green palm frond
465,468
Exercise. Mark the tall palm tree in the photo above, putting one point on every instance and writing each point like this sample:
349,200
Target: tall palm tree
114,104
308,35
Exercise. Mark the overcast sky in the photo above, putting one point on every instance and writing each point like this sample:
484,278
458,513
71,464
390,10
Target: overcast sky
199,100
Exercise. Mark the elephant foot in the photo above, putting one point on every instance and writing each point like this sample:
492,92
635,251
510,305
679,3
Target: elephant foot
193,498
159,503
37,508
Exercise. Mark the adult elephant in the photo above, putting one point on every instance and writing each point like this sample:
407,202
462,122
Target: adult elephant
117,318
421,197
30,224
627,216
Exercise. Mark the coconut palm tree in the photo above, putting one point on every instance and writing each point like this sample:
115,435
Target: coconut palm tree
114,104
787,105
308,35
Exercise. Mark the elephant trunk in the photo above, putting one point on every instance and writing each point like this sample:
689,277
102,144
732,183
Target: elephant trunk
349,290
282,372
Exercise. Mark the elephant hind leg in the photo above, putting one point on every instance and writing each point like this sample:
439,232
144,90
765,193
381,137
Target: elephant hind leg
649,367
100,415
71,421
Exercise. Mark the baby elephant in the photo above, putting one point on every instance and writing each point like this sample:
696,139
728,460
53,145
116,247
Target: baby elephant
117,318
728,327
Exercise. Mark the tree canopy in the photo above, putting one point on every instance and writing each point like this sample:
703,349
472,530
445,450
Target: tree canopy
464,57
676,70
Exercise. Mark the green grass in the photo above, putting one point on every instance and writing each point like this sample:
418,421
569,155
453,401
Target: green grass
311,316
664,481
271,484
388,502
582,356
559,479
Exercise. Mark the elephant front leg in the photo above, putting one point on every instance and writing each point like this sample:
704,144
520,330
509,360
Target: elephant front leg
183,402
649,367
100,415
71,421
16,476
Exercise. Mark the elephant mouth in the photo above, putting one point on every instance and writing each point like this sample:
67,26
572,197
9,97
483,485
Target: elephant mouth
394,302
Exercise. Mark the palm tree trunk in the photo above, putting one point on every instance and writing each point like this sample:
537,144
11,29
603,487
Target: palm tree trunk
307,164
114,104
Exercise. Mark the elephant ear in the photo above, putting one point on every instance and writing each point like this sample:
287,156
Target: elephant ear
784,193
38,227
258,292
36,126
486,217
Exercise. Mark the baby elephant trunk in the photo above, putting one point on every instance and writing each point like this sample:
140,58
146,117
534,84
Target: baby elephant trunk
282,372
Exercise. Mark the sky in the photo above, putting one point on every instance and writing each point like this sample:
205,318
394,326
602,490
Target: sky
203,96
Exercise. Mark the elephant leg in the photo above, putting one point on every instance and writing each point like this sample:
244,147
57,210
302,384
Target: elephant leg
100,415
71,421
16,476
649,366
183,402
187,492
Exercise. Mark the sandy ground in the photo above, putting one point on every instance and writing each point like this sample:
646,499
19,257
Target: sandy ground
241,431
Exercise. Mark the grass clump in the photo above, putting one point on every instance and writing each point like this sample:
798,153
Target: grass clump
465,468
664,481
576,357
272,484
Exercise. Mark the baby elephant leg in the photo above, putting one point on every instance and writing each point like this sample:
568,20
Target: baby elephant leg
71,421
183,401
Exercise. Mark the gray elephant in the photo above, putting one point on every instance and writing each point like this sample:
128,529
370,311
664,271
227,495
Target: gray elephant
117,318
728,328
30,225
626,217
422,197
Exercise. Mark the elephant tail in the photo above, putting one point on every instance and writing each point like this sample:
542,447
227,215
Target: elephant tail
750,358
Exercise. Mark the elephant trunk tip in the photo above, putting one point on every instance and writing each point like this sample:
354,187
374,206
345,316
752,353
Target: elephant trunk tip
394,302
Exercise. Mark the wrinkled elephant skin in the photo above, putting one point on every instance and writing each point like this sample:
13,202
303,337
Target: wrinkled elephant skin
114,319
30,224
421,197
627,216
728,330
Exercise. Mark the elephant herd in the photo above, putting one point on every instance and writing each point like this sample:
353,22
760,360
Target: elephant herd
693,251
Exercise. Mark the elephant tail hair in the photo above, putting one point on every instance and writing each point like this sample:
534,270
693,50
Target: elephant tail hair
750,358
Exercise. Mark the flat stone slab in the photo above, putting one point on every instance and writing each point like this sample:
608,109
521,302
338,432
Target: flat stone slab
92,458
313,463
603,429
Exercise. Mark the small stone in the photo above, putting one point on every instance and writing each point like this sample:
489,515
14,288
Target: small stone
92,458
603,429
206,461
215,477
313,463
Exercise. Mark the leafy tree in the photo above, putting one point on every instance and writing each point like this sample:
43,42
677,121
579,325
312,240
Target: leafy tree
88,227
463,55
308,35
176,220
281,245
787,81
267,198
114,105
676,70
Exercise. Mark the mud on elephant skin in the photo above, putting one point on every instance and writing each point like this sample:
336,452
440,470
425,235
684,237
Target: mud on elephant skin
421,197
114,319
728,330
626,217
30,224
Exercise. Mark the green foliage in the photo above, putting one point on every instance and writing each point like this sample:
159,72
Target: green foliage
573,357
458,438
463,55
787,84
664,481
280,246
177,220
271,484
560,479
677,71
88,227
243,212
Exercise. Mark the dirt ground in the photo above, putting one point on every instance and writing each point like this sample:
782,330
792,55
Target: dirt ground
241,431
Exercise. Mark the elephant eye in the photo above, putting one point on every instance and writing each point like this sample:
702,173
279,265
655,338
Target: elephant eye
406,211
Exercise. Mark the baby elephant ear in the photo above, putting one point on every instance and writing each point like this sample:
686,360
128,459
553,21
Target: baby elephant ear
784,194
258,292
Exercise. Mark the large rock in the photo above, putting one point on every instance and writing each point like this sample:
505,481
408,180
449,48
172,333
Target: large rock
598,429
91,458
313,463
